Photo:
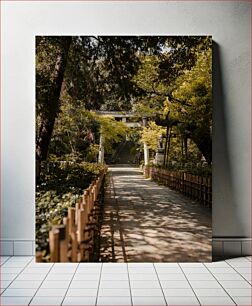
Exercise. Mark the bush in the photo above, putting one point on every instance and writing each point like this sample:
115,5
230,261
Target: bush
61,185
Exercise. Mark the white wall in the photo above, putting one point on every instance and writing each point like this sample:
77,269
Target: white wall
227,22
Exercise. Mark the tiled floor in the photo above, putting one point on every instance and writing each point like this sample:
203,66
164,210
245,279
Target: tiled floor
23,282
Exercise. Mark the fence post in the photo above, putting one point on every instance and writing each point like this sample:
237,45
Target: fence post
54,244
63,245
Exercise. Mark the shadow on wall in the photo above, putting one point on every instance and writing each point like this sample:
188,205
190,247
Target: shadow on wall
226,221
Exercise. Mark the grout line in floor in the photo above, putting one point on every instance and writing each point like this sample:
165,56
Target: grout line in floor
96,300
129,284
189,284
16,275
220,285
70,283
160,284
238,272
41,284
2,263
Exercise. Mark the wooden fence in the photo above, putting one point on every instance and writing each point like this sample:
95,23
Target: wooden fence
194,186
77,239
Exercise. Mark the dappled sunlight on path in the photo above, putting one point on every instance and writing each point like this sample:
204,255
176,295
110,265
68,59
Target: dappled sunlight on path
146,222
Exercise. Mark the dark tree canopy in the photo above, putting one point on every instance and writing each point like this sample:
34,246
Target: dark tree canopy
112,73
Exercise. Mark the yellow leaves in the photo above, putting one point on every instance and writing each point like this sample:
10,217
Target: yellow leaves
112,130
151,134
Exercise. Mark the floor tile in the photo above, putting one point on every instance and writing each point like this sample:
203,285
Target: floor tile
169,270
178,292
209,292
114,292
140,265
174,284
248,277
9,270
241,264
114,269
135,270
235,284
21,258
237,259
87,271
153,300
114,284
61,270
19,292
47,300
204,284
5,283
217,264
25,284
84,276
51,292
4,259
8,276
243,270
59,277
55,284
78,284
201,276
144,284
220,270
30,276
15,300
239,291
189,300
82,292
80,301
36,270
14,264
243,300
112,277
143,276
146,292
117,301
172,276
196,270
221,300
229,276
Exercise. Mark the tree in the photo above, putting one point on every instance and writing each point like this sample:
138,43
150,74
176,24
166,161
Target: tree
178,80
112,130
94,71
52,55
195,87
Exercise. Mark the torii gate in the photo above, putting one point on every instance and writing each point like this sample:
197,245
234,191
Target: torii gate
124,117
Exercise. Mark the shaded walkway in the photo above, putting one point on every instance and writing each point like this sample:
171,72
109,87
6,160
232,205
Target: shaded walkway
146,222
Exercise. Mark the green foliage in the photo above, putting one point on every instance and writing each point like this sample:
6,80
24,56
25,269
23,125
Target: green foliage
113,131
150,135
61,185
178,82
74,131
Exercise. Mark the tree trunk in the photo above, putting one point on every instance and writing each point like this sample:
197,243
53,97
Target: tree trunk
203,141
52,104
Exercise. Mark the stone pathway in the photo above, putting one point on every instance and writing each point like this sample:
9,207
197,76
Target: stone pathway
147,222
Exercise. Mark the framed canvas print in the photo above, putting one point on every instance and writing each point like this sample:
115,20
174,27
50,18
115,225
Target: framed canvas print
123,148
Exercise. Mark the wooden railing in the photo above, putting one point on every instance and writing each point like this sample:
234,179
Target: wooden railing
77,239
194,186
